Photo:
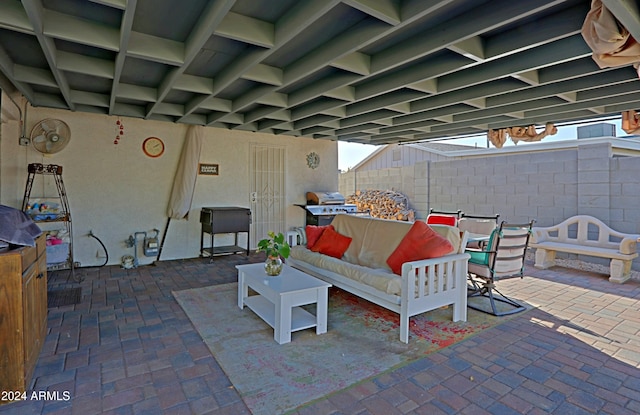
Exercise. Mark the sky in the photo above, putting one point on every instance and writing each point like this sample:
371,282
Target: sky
350,154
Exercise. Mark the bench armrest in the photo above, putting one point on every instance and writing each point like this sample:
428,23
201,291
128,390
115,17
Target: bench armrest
628,245
539,234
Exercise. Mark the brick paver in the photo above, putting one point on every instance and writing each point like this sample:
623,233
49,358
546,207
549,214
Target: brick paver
129,348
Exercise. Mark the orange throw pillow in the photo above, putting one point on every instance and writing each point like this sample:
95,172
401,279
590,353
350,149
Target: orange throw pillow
314,232
332,243
421,242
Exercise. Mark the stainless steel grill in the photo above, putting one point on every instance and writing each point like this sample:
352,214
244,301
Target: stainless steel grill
322,207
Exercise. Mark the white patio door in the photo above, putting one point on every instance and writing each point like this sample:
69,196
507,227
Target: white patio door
267,169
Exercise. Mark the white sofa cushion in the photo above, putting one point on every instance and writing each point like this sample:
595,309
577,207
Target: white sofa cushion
380,279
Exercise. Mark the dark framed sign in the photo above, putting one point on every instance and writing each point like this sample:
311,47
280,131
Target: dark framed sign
208,169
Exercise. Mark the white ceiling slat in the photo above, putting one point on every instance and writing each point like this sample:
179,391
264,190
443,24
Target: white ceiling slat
247,29
283,115
90,98
385,121
82,64
217,104
530,77
129,110
480,103
356,62
445,118
233,118
191,83
513,114
13,17
35,76
265,74
377,117
403,107
383,101
49,100
328,86
156,49
385,10
118,4
312,121
429,86
569,96
195,119
345,93
331,125
65,27
274,99
337,111
321,106
472,48
139,93
165,108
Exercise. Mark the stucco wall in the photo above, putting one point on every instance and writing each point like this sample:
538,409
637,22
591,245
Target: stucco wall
116,190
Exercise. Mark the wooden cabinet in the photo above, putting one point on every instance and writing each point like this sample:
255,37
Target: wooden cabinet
23,313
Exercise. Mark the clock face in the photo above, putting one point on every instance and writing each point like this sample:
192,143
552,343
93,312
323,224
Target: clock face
153,147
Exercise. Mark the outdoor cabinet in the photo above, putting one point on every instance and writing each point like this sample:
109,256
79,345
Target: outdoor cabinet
23,314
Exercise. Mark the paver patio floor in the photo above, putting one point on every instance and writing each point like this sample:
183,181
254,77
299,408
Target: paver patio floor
128,348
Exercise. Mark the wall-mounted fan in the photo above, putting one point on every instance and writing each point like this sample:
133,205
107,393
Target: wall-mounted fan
50,136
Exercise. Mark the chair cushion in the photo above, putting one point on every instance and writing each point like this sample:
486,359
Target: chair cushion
435,219
313,233
421,242
482,257
332,243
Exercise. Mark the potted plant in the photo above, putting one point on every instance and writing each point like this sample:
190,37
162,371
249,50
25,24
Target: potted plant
276,248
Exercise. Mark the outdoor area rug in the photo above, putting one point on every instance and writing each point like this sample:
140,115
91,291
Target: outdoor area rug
362,341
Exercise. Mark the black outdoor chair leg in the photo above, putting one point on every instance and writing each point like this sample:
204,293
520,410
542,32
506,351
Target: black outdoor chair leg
487,291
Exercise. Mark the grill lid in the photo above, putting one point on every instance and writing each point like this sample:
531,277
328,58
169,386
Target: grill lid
324,198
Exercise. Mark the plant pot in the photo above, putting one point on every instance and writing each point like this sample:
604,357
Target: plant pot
273,266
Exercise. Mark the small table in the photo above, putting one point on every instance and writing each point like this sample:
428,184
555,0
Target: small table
279,299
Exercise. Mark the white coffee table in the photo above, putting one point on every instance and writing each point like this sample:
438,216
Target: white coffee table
279,299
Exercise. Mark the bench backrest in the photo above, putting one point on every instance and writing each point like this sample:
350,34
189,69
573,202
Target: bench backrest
583,230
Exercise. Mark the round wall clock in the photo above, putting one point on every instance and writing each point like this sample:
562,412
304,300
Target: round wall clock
153,147
313,160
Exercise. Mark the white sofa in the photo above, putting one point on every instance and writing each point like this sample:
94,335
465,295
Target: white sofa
423,286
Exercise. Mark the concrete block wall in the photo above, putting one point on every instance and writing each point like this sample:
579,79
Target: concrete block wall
548,186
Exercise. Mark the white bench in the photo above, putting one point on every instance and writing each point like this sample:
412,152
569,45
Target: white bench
589,236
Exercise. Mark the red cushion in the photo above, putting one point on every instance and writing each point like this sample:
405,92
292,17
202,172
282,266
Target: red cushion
421,242
314,232
441,220
332,243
